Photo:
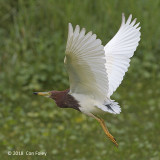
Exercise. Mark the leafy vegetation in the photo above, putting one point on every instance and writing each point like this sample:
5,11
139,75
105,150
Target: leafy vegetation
33,36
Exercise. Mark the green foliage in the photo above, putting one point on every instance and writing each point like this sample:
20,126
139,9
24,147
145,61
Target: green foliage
33,36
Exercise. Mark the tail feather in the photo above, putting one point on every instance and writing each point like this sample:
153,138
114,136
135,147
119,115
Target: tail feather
112,107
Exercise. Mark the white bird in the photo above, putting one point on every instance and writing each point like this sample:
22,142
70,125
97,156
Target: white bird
95,71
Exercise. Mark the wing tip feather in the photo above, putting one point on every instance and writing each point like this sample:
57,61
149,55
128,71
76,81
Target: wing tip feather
70,25
129,19
70,29
123,19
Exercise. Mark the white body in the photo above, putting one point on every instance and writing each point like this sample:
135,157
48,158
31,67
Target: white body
88,104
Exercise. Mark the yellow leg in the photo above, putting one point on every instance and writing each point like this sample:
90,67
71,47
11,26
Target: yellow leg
102,123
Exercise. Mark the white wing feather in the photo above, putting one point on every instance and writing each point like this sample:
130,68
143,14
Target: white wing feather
119,50
85,63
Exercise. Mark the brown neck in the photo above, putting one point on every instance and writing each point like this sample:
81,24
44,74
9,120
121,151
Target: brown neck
64,100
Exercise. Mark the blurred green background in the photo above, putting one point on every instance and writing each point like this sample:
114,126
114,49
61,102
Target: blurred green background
33,36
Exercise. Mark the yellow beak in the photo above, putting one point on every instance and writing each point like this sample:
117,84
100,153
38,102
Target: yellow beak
46,94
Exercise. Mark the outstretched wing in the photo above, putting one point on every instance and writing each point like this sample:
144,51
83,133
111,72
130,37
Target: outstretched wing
119,50
85,63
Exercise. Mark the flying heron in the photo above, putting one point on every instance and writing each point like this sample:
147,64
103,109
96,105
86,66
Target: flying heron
95,71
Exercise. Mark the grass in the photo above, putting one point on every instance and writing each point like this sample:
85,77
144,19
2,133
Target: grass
32,44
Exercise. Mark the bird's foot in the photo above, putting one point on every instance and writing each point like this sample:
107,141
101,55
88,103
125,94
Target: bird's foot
102,123
112,138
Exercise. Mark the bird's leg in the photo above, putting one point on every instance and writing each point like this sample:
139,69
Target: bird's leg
102,123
